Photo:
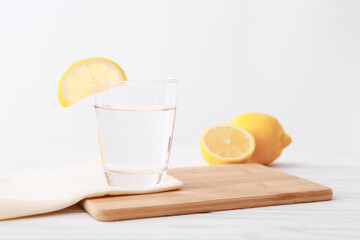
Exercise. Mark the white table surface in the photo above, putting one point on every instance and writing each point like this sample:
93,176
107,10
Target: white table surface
335,219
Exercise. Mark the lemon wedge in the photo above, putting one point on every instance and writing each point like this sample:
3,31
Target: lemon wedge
225,143
81,78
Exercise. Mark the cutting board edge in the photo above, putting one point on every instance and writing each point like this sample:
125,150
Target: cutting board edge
107,215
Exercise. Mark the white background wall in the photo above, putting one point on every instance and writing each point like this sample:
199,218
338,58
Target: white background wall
296,60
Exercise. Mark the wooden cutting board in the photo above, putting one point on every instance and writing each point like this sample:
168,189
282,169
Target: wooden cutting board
211,188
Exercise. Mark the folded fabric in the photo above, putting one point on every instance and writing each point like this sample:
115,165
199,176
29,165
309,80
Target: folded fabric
41,191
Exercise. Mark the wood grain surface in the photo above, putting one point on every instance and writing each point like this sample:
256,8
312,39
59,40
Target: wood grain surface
211,188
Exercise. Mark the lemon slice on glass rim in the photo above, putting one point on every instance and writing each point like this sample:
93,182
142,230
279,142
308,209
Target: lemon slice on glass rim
225,144
81,79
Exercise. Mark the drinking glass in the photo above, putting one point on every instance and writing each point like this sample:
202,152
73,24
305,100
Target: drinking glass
135,121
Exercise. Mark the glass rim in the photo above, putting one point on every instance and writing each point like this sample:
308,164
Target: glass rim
143,81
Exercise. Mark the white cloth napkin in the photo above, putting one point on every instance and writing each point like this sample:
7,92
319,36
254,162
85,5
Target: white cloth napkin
41,191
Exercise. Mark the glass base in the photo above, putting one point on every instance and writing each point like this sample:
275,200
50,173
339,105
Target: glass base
134,181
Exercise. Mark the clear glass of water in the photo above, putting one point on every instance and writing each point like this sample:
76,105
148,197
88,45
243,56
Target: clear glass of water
135,122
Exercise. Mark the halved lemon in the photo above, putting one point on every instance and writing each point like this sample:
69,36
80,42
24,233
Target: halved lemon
81,78
225,143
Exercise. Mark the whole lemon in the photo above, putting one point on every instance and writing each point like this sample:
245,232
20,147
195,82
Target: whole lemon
268,133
